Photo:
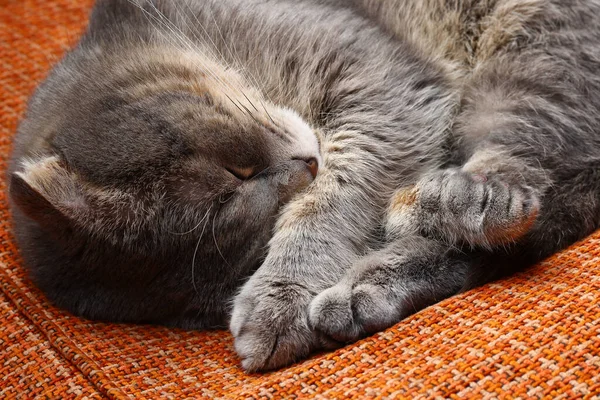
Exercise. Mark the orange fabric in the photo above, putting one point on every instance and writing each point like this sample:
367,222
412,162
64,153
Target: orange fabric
531,336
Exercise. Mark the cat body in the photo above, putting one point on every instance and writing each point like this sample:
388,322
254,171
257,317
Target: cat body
357,160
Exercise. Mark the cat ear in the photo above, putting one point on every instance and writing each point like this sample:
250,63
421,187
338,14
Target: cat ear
47,192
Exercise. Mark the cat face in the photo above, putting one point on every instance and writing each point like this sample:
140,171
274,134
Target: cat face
165,173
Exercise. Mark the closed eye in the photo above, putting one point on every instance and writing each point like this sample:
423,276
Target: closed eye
241,173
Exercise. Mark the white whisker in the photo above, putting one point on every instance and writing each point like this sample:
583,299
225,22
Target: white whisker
196,250
215,240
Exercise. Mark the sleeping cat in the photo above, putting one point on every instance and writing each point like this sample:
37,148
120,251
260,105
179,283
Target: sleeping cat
357,161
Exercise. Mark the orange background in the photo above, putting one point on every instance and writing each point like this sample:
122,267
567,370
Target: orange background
534,335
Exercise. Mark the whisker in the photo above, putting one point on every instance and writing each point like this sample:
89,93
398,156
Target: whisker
249,113
203,29
215,240
178,34
234,103
194,228
269,115
196,251
252,104
162,20
232,54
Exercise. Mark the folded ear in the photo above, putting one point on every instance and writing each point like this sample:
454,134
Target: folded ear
47,192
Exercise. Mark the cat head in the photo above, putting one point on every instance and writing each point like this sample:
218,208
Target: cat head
146,180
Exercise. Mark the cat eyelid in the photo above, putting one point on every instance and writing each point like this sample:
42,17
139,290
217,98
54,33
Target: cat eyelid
241,173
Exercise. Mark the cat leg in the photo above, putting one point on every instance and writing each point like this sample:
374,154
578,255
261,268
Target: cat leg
526,182
386,286
529,185
424,260
514,227
528,161
270,314
374,137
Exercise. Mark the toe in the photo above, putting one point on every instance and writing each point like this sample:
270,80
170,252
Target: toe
373,308
331,314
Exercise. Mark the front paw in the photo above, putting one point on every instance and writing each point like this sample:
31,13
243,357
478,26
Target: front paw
385,287
370,298
347,312
270,323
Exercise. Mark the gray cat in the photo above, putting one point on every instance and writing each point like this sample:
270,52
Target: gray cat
357,160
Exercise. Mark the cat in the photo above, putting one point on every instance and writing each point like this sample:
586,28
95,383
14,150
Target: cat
306,172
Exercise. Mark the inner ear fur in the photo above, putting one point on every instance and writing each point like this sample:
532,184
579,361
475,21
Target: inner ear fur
47,192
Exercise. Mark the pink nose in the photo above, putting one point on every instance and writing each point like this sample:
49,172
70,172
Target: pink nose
313,166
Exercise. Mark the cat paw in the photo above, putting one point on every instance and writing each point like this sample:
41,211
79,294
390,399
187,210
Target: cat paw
346,313
386,286
270,324
463,206
371,297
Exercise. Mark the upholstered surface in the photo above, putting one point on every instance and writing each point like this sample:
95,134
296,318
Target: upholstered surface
531,336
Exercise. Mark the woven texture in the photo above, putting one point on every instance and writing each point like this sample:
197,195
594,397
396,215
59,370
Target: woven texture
531,336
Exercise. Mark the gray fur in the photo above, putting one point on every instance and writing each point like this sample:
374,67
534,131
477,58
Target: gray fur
157,167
